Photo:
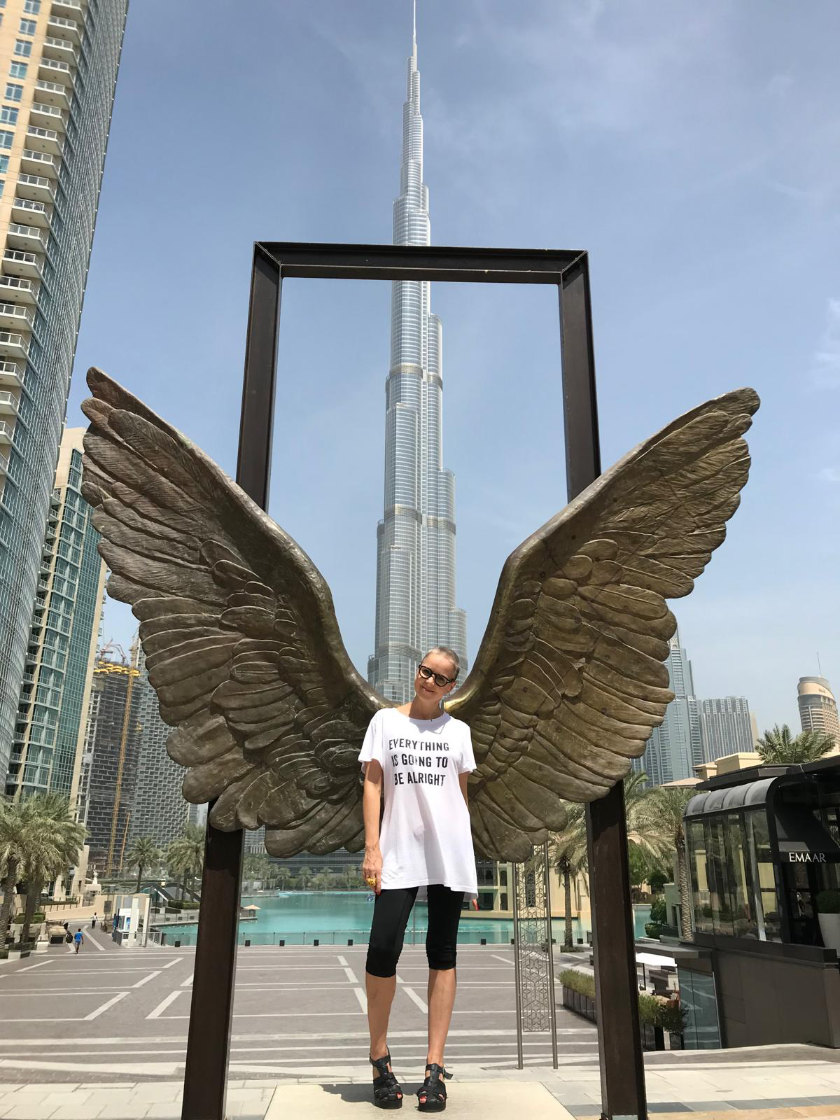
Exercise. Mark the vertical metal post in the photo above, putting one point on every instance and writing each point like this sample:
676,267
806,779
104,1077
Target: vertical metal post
211,1011
552,997
518,869
619,1032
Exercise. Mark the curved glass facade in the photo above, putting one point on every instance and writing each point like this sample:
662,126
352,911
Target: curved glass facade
53,176
415,576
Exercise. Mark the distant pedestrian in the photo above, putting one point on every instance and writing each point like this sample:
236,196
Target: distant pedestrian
79,938
93,921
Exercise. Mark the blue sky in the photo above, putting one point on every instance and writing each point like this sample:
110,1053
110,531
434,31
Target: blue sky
692,149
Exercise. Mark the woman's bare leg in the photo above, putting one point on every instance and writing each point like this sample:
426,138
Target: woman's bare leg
380,996
442,984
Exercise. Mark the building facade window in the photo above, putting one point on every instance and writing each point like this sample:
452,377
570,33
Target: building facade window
8,115
14,92
4,163
23,48
6,138
32,6
27,26
18,69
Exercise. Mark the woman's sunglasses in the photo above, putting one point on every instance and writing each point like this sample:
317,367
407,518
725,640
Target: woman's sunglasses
427,674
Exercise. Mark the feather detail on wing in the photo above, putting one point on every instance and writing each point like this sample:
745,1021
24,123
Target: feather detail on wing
570,678
239,632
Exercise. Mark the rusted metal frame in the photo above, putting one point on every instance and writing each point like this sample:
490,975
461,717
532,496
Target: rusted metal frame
619,1032
211,1010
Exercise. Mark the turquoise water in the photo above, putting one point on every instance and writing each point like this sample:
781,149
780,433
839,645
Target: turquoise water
333,917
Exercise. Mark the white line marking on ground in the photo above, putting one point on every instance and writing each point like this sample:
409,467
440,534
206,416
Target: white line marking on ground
413,996
362,998
177,959
260,1015
29,967
342,961
146,979
498,958
94,941
101,1010
351,976
162,1006
188,982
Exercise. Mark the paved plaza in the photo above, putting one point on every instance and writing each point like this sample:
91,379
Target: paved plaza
103,1034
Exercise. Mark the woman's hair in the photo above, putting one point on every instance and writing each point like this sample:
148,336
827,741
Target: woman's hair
447,652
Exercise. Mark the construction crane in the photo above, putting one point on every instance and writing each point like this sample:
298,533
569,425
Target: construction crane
112,645
133,671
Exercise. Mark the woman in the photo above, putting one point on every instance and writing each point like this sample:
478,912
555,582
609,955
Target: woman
418,759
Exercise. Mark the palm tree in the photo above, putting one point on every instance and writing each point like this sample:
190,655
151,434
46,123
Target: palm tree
52,839
779,747
656,826
142,854
567,852
12,831
304,877
282,876
185,855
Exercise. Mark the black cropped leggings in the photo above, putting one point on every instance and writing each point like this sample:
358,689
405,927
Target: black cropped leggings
390,917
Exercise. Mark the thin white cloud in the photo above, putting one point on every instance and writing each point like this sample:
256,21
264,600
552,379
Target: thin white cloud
830,474
825,365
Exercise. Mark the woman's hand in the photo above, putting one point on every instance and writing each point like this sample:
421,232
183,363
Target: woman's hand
372,868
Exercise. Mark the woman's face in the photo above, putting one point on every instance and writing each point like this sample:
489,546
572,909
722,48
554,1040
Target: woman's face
429,689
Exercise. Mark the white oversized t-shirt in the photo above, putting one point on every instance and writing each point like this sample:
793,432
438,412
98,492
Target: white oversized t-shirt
425,836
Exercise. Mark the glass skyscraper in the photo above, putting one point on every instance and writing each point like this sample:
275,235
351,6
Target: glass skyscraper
59,61
415,571
50,728
674,748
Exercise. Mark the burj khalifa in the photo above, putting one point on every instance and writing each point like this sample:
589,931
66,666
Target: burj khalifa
415,570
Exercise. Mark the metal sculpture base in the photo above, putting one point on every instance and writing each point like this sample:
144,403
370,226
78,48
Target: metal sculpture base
533,955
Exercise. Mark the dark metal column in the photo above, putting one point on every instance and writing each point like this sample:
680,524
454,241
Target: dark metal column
619,1032
211,1011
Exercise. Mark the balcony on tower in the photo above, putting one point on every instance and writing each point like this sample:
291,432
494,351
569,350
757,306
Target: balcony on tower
16,290
63,49
64,28
17,262
7,431
39,163
52,93
13,345
4,464
35,187
43,140
52,70
26,237
8,405
47,116
69,9
11,375
25,210
15,316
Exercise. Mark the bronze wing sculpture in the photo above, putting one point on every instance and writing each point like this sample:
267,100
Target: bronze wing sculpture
243,647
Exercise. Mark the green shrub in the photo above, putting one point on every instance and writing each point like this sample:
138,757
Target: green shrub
653,1011
37,918
658,910
578,982
828,902
653,929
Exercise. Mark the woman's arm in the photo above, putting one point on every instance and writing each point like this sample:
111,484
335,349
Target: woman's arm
371,799
463,779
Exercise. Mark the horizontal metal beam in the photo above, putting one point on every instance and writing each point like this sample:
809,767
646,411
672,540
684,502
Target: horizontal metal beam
420,262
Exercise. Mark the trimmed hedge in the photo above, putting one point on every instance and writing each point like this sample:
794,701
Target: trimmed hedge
38,917
654,1011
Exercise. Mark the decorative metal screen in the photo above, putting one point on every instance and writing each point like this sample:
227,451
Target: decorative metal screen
532,950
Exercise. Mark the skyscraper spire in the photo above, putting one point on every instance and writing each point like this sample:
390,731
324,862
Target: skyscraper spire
415,570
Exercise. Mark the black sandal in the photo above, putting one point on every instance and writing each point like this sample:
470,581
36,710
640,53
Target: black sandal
432,1092
386,1089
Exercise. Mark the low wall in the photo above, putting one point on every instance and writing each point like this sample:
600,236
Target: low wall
772,993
